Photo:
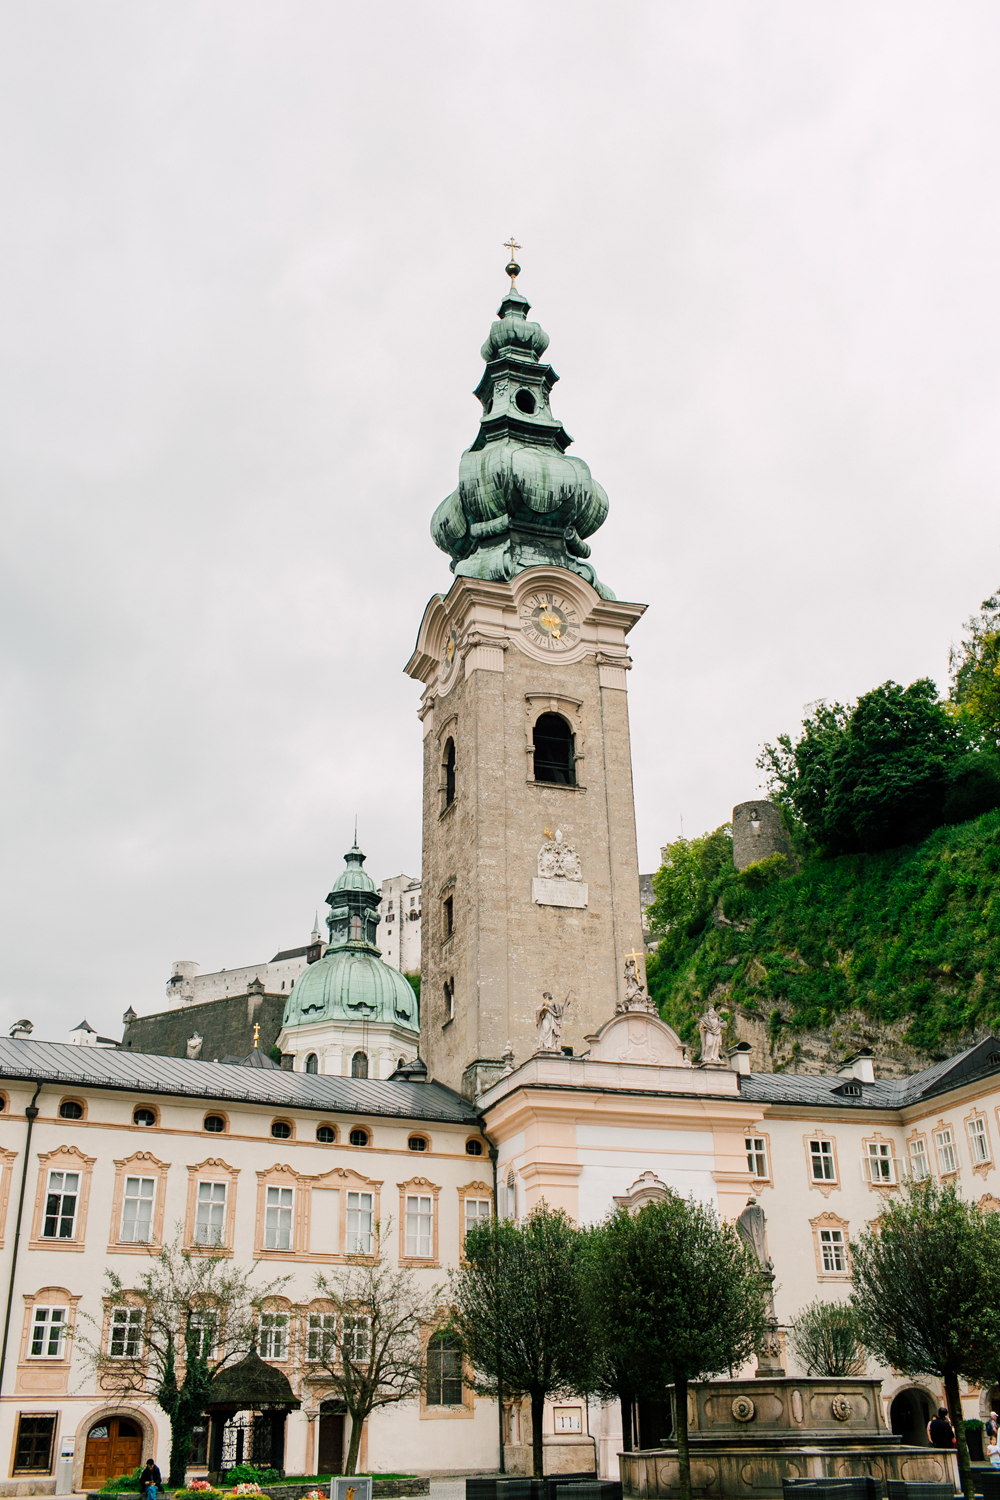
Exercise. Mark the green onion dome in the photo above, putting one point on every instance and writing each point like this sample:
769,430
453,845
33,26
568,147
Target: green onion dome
350,982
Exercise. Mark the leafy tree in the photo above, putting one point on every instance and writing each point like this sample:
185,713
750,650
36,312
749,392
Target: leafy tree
200,1316
372,1354
975,671
521,1314
927,1292
621,1370
826,1339
881,773
689,1296
685,884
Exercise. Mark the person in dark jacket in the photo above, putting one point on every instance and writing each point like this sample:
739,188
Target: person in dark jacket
940,1430
150,1480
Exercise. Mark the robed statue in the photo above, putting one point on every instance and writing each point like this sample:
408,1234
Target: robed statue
549,1020
710,1027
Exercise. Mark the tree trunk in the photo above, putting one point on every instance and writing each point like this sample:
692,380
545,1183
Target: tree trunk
954,1396
180,1451
681,1418
537,1411
625,1401
354,1446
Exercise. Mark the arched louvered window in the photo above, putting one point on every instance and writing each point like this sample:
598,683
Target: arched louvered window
554,757
359,1065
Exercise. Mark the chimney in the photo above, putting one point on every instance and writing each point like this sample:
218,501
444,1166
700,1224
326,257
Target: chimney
859,1066
739,1058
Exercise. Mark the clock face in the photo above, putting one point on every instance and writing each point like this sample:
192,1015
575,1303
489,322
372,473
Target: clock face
549,621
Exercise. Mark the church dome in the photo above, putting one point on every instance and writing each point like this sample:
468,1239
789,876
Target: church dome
350,982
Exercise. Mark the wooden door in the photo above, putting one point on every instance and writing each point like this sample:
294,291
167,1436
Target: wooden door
331,1445
114,1447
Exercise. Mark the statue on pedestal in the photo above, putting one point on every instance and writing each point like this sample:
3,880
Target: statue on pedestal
750,1228
549,1019
635,992
710,1027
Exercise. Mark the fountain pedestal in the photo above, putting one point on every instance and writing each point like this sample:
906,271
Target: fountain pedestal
745,1436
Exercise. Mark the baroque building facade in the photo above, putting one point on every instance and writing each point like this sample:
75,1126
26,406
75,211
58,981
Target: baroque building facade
544,1073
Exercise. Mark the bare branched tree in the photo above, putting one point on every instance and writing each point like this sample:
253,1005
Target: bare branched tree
165,1339
369,1345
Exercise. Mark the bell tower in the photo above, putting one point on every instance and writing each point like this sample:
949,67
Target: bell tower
530,868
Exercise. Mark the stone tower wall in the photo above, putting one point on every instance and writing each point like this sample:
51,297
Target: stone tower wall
482,851
758,832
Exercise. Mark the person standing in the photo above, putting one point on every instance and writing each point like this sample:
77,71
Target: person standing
940,1430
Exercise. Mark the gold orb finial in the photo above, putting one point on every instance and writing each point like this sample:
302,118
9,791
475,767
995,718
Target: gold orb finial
512,268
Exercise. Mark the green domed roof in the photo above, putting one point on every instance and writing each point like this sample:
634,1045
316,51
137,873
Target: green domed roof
354,877
350,982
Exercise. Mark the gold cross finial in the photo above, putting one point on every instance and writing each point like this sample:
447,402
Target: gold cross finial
256,1032
633,955
547,833
512,268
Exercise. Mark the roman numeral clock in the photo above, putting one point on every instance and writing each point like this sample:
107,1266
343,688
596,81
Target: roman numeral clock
549,621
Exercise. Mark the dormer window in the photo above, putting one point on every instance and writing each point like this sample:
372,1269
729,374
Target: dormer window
850,1090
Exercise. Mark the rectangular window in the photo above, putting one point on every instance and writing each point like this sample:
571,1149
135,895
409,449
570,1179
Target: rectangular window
126,1332
48,1331
359,1223
444,1371
420,1227
881,1162
60,1206
278,1219
831,1244
210,1216
979,1141
946,1155
202,1328
137,1213
33,1449
756,1155
273,1335
357,1341
821,1155
477,1211
919,1170
322,1335
449,916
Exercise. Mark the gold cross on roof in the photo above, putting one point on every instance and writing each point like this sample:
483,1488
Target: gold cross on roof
633,955
256,1032
512,245
512,267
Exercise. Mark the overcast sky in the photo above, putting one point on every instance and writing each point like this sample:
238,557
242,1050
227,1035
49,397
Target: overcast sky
248,255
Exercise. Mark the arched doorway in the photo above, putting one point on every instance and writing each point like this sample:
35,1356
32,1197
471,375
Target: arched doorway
909,1414
114,1447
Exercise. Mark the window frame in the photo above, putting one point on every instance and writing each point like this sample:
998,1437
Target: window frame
455,1350
875,1154
824,1185
918,1138
213,1169
283,1332
276,1225
130,1321
761,1139
941,1129
57,1382
139,1164
34,1416
62,1159
828,1223
418,1187
7,1160
215,1114
477,1190
977,1128
44,1316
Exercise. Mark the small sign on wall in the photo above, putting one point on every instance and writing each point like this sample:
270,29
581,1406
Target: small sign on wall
351,1487
559,892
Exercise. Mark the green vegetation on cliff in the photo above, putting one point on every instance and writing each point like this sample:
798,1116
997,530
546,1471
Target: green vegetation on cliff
907,935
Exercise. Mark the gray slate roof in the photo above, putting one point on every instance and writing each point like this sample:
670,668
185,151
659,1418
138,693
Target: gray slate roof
885,1093
146,1073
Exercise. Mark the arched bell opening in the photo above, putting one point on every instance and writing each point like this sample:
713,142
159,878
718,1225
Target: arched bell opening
555,758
